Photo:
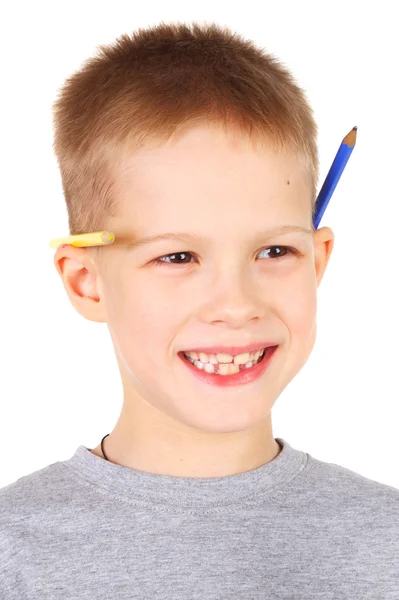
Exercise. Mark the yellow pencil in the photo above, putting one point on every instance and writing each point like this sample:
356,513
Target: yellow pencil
82,240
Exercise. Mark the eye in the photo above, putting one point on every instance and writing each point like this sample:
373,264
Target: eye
178,254
277,253
280,251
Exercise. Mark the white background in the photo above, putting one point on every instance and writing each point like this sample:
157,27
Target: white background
59,383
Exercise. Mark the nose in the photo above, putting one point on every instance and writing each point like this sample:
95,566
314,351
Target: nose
234,301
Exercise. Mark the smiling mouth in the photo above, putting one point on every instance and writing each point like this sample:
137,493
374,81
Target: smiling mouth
227,368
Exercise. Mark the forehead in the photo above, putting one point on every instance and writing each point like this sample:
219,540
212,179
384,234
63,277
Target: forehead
206,169
206,150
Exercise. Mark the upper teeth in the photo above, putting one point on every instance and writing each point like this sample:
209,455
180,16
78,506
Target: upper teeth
222,357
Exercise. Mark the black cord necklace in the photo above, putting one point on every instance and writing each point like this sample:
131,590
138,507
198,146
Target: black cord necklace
102,447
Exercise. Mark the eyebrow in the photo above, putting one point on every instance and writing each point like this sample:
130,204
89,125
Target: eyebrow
195,238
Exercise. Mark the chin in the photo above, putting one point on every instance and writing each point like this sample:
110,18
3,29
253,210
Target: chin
231,423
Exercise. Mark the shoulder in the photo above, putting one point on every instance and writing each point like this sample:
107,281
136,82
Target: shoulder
34,492
30,500
27,506
338,479
355,503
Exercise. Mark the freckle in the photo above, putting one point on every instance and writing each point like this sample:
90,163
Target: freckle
288,183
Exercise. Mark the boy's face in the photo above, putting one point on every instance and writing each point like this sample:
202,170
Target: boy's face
225,290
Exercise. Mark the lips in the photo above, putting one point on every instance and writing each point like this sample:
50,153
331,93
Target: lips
244,376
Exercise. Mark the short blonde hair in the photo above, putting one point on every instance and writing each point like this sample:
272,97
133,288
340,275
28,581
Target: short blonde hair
144,87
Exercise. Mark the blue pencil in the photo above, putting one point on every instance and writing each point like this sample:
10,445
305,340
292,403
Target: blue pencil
333,175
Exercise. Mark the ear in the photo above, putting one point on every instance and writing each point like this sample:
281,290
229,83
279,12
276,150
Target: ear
81,280
323,244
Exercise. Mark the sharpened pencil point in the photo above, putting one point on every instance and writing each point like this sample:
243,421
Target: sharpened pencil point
355,127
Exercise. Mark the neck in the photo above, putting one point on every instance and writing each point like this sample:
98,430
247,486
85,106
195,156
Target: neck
166,447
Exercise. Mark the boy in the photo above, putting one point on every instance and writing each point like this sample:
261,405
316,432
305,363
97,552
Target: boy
199,152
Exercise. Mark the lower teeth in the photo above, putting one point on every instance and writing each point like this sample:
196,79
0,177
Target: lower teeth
210,368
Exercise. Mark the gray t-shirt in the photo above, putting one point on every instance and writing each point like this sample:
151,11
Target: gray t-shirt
295,528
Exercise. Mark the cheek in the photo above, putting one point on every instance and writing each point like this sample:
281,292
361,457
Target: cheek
141,323
300,309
